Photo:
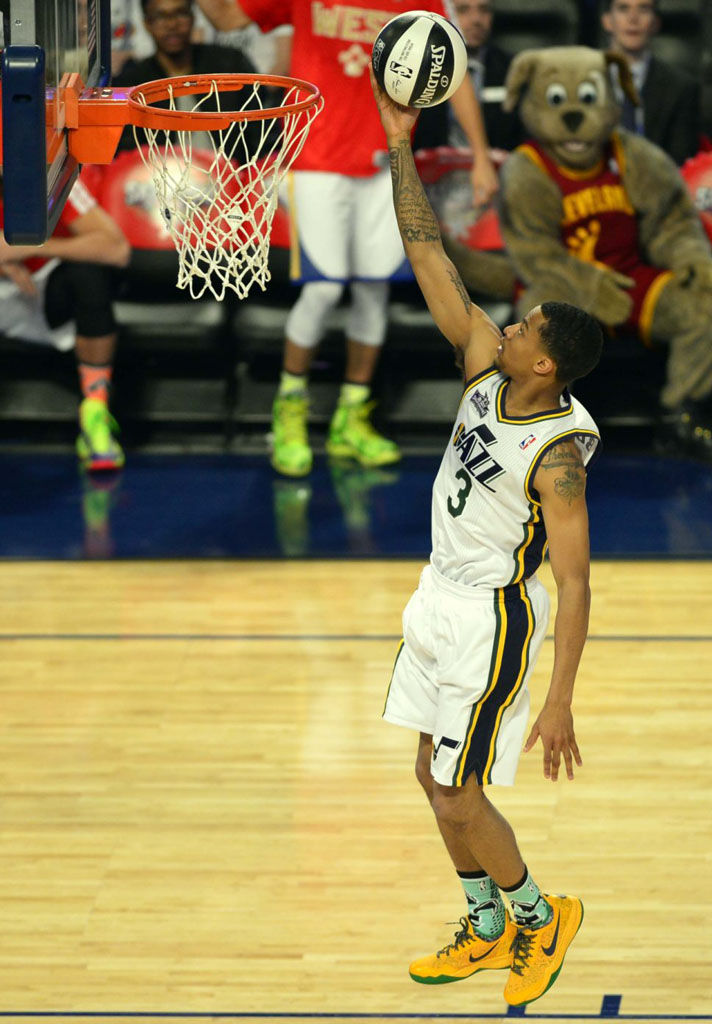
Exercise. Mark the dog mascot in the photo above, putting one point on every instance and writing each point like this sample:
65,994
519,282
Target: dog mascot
597,216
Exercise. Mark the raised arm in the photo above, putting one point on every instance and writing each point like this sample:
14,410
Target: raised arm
468,113
466,326
224,15
561,483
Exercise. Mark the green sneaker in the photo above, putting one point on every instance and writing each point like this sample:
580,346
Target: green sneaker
97,447
291,454
352,435
353,485
99,493
291,516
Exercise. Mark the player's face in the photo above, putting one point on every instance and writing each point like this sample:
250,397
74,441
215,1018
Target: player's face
631,24
170,22
521,345
475,20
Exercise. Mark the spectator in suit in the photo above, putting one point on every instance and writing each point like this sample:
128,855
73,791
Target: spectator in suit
670,111
488,66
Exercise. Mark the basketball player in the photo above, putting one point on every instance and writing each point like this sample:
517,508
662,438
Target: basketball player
344,218
511,481
60,294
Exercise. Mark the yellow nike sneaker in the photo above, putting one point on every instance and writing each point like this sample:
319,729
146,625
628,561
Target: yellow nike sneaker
538,953
466,955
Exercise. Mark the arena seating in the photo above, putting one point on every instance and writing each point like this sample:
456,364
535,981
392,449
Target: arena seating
204,372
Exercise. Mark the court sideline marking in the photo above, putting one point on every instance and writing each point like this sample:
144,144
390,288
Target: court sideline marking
292,637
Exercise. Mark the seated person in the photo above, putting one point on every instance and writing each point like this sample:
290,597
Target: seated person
60,294
170,24
487,65
131,41
670,98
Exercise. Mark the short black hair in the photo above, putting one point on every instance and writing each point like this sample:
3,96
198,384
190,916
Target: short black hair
607,4
145,3
572,338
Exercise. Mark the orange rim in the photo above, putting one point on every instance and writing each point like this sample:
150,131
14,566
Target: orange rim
143,114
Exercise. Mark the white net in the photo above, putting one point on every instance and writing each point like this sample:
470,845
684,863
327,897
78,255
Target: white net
219,212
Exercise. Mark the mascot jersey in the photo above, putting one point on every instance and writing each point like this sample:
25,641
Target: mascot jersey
599,225
331,47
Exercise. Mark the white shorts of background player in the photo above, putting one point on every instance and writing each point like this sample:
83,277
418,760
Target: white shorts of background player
344,231
22,316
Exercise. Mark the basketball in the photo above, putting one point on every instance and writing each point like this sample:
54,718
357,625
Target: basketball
419,59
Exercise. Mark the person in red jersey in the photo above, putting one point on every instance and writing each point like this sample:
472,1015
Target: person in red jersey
346,232
60,294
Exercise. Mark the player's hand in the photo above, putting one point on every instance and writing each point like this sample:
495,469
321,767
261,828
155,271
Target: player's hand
555,728
485,181
395,118
21,276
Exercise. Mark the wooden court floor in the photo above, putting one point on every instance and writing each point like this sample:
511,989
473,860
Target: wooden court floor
203,814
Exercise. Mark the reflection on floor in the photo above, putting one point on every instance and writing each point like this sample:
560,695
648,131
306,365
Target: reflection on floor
184,506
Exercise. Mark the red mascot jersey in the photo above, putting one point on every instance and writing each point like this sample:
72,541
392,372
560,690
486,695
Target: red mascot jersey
599,225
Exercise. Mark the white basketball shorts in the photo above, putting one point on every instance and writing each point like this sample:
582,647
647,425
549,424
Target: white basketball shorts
344,228
22,316
461,674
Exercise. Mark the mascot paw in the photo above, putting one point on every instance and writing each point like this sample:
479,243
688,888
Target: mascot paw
700,275
613,304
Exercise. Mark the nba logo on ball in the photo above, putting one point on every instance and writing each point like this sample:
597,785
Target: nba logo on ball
419,59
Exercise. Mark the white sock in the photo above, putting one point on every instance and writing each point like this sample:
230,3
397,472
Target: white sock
292,383
354,394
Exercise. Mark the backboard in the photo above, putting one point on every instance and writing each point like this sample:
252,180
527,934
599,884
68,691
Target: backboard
44,41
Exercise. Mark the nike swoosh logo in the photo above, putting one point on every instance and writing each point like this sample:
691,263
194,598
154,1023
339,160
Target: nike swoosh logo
548,950
474,959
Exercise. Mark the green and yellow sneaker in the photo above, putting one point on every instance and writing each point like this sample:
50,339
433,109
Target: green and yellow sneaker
353,436
538,953
291,454
97,448
465,955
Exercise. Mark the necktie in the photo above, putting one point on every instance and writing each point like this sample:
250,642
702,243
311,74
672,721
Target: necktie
628,119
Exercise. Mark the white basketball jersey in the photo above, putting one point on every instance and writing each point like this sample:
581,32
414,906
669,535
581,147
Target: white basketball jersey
487,525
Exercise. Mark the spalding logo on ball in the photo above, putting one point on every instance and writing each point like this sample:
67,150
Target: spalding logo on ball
419,59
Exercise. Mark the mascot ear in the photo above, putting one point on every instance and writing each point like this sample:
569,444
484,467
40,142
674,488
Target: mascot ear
520,71
624,75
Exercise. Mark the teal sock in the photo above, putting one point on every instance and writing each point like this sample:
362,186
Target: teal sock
292,384
529,907
485,907
354,394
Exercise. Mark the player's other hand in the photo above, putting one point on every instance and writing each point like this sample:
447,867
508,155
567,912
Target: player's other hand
485,182
555,728
396,119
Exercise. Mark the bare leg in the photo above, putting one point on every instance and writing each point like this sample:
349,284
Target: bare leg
476,835
361,362
98,351
460,854
297,360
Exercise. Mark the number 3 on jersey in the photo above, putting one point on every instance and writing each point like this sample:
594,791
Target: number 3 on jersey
457,507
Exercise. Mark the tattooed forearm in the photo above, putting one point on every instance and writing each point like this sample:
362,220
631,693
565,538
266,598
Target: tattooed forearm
415,215
569,475
460,288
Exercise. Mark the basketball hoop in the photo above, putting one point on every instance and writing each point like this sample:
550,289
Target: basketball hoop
218,217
